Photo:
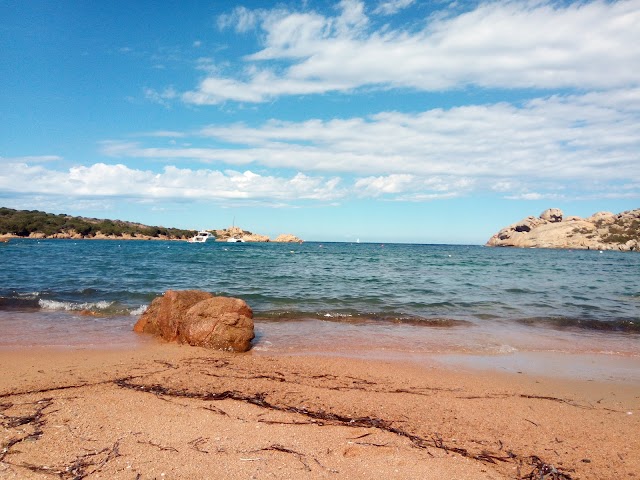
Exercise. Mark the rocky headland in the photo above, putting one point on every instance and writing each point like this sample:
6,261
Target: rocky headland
43,225
38,224
600,231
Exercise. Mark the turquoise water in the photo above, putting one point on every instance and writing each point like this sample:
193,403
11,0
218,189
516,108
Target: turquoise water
411,298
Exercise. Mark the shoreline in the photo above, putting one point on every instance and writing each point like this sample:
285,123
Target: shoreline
100,237
614,369
485,348
180,411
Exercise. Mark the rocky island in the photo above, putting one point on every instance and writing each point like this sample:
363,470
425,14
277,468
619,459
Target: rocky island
246,236
600,231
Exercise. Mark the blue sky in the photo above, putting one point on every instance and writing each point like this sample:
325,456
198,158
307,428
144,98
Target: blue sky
397,120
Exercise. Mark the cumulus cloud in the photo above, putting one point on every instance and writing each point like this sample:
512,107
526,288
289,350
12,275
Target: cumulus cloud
547,142
104,180
510,44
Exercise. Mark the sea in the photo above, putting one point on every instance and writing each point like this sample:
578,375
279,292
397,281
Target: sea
508,309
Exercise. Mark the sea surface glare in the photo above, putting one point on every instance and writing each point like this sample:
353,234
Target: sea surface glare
395,299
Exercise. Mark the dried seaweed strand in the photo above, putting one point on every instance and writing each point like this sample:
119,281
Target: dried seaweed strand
36,420
259,399
280,448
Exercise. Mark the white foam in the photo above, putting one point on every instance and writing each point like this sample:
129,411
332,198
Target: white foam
138,311
28,295
507,349
71,306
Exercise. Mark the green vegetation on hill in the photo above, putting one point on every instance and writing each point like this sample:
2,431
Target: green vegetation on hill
25,222
623,230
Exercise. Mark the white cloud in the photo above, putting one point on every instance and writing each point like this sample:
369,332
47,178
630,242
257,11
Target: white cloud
241,19
557,138
164,133
504,44
384,184
535,196
548,142
392,6
102,180
31,159
413,188
163,98
589,140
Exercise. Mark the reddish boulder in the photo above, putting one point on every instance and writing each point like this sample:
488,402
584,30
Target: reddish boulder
220,323
165,313
200,319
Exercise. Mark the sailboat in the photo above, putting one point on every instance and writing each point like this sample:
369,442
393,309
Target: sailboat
234,239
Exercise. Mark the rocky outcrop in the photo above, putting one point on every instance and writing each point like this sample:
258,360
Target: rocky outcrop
601,231
552,215
200,319
239,234
287,238
255,237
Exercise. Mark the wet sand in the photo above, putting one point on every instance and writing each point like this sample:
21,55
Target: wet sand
162,411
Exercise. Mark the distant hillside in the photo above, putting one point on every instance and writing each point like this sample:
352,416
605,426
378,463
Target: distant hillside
37,224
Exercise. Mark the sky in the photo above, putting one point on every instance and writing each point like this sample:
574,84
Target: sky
384,121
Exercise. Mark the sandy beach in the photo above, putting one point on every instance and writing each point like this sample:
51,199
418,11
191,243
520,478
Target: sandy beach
163,411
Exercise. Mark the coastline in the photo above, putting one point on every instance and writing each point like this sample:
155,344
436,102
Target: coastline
160,410
61,236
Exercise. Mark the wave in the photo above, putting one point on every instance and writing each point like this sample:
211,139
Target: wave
359,318
85,301
22,301
101,308
138,311
48,301
622,325
73,306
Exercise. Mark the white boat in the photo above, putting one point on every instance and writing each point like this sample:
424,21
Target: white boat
235,240
201,237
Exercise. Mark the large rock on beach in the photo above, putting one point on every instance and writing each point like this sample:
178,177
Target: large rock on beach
165,313
219,323
200,319
601,231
